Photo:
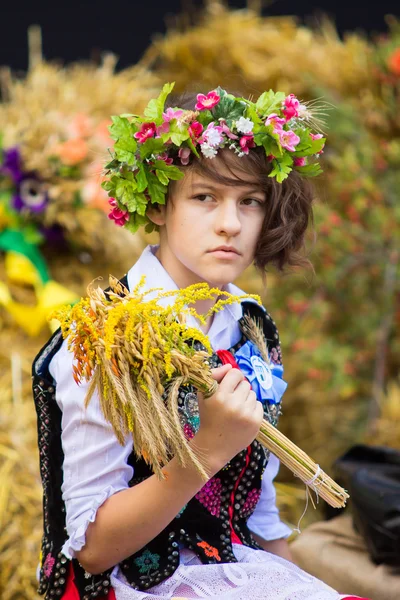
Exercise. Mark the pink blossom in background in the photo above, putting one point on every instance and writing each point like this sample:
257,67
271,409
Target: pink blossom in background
300,162
195,130
207,102
184,154
246,142
276,122
120,217
146,131
291,107
170,114
288,140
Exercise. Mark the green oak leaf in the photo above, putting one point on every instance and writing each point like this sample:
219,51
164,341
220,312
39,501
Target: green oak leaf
161,176
124,190
137,203
120,128
281,167
141,178
156,189
312,170
155,107
125,149
135,221
270,143
171,171
270,102
151,146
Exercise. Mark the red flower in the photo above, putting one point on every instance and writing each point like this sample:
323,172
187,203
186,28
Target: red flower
195,130
246,142
300,161
119,216
394,62
146,131
207,102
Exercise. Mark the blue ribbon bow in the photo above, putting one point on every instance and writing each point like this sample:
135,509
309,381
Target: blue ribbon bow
265,379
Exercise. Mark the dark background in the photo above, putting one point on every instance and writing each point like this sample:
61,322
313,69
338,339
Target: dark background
82,30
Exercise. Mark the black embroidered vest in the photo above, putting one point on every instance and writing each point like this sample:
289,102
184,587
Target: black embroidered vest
209,523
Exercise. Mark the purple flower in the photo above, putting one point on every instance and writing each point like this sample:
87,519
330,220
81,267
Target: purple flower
29,192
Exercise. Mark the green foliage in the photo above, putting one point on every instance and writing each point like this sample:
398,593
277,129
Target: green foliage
281,167
269,102
228,108
155,108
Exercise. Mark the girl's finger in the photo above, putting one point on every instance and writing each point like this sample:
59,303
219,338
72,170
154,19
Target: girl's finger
220,372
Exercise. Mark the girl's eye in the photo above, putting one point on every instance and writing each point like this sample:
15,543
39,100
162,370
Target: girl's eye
252,202
203,197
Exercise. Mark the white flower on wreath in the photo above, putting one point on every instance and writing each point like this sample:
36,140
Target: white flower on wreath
244,125
208,151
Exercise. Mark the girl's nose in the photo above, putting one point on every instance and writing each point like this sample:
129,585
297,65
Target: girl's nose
227,219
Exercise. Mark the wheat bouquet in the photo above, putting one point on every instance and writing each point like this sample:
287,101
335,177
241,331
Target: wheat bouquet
136,350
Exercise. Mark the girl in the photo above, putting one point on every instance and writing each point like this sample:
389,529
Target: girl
227,171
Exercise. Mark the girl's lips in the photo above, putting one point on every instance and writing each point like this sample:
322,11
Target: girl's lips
229,249
225,254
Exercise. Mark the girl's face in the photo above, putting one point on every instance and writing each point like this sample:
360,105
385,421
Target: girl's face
209,230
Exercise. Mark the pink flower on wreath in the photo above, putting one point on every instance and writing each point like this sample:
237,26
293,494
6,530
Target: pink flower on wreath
184,154
207,102
146,131
170,114
195,130
246,142
48,565
227,131
300,161
163,128
120,217
291,107
213,135
276,122
288,140
167,159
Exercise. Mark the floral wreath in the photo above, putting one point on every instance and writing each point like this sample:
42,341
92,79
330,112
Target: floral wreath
149,150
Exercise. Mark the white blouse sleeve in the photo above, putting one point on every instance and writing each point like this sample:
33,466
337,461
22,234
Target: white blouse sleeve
95,464
265,520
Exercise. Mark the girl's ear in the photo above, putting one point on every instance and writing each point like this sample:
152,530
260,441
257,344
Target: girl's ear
157,213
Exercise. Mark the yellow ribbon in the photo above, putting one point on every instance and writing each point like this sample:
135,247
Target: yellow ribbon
50,295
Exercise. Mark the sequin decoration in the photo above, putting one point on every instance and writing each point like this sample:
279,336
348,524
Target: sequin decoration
210,496
250,503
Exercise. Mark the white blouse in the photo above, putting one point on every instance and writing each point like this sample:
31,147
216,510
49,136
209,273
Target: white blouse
95,465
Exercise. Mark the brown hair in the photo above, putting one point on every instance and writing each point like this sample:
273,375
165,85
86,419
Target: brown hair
289,206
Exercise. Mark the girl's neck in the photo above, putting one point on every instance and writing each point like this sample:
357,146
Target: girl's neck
182,277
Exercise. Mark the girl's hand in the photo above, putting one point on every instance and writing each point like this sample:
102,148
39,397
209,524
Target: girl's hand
229,420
